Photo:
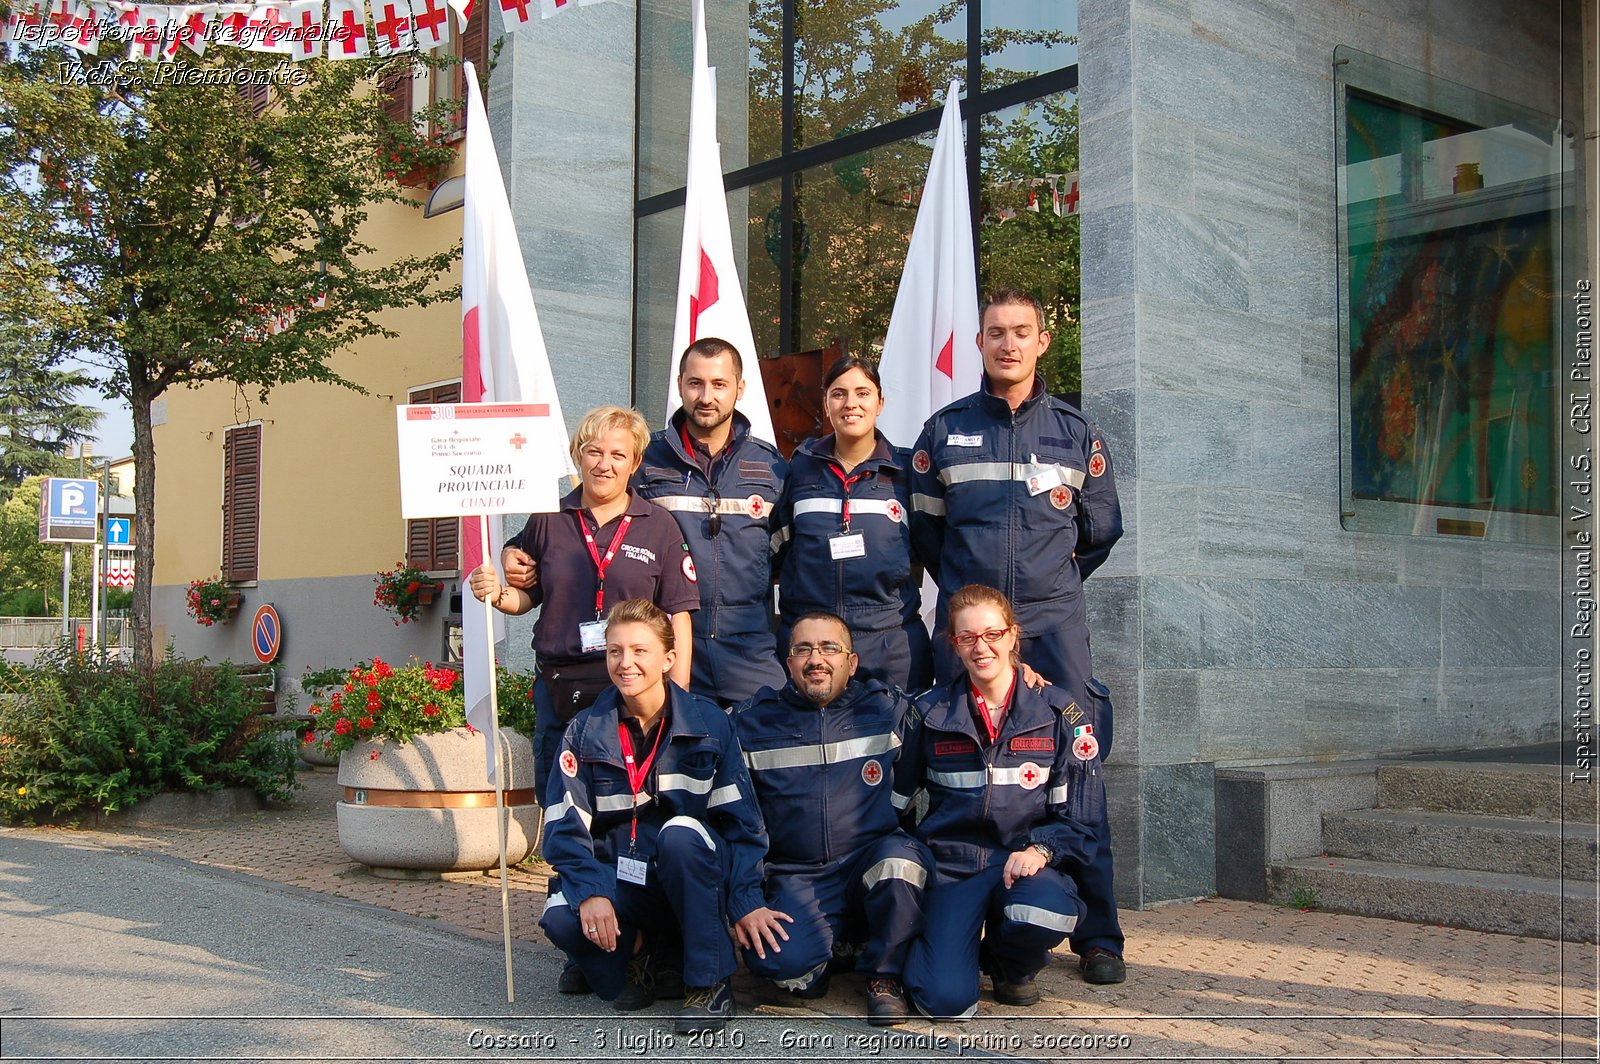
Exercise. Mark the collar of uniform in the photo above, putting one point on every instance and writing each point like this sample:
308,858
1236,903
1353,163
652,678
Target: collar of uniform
638,505
882,456
685,721
996,405
741,429
952,711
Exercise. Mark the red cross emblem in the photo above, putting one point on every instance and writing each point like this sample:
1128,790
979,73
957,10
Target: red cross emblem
920,462
431,20
688,569
1085,747
569,763
1061,496
871,773
518,440
1030,774
392,25
1097,462
61,14
757,505
519,6
353,31
895,511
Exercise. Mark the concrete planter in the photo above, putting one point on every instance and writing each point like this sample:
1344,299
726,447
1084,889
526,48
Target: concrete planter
427,805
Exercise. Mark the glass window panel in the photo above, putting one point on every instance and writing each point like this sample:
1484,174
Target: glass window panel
853,225
1022,38
1028,233
861,64
763,244
655,301
665,57
1452,226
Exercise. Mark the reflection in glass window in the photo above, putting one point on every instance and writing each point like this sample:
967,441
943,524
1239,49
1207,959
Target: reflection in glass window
1028,236
1022,38
1449,316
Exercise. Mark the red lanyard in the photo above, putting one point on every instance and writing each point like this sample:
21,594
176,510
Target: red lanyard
992,730
636,775
848,483
602,564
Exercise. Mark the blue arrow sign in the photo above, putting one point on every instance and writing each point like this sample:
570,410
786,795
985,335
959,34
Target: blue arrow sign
119,533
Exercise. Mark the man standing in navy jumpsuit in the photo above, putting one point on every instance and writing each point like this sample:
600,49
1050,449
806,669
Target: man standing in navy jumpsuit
1012,488
721,483
821,753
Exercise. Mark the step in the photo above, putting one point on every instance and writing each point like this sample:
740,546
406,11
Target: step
1487,789
1452,840
1482,901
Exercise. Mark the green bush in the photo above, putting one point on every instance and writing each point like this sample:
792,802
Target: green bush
79,735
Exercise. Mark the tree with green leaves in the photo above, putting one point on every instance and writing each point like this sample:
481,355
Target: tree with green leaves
172,233
39,420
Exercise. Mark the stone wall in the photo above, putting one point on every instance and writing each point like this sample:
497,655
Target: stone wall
1238,622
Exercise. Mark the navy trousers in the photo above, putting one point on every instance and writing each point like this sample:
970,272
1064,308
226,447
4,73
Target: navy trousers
875,896
732,667
1019,927
681,900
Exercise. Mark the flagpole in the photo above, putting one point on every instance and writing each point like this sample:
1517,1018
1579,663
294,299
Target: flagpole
499,773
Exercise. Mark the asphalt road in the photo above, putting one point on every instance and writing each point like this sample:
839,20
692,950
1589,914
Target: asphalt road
112,954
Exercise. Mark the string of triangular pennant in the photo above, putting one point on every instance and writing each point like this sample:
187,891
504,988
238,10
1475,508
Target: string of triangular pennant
295,29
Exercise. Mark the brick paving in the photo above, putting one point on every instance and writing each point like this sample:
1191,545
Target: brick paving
1208,980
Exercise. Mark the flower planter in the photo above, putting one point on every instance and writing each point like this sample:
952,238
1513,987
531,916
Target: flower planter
427,805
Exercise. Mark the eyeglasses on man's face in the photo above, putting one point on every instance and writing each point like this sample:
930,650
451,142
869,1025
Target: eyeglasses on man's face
827,650
968,640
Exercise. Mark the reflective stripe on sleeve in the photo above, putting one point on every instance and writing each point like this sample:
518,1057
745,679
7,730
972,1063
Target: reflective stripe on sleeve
677,781
723,796
927,504
1059,794
560,809
966,781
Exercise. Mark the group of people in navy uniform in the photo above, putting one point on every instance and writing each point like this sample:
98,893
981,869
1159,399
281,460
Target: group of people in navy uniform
712,784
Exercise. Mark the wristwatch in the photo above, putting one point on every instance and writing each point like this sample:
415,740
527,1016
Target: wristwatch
1049,854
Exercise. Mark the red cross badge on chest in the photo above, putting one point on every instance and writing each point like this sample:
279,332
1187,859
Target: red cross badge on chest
1086,747
1061,497
872,773
1030,775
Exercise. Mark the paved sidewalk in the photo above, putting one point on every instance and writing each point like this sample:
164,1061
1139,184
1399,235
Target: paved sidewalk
1212,979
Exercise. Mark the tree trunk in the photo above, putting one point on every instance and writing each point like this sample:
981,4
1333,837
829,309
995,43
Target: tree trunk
144,522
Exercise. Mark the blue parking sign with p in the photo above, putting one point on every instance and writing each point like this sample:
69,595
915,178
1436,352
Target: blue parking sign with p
69,510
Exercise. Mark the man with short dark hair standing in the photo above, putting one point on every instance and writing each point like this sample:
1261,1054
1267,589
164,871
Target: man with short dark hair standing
1012,488
721,483
821,754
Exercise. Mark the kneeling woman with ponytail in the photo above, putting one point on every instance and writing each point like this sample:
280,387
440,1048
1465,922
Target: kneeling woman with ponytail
653,828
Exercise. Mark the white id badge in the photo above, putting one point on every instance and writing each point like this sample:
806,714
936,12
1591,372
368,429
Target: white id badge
631,870
592,635
847,545
1045,479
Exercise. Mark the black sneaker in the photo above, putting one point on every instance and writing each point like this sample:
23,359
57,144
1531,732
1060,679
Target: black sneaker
669,983
639,992
1009,988
1102,967
843,957
572,980
886,1002
705,1008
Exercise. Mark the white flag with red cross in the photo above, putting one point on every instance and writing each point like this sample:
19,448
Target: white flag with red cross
503,359
347,38
930,354
195,28
149,35
391,27
710,297
307,31
430,22
85,31
232,22
516,13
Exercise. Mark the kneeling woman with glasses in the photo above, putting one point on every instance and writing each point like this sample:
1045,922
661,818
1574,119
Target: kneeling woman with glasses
1014,791
651,817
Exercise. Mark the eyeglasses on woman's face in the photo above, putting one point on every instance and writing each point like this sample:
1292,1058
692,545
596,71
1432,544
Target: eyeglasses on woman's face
968,640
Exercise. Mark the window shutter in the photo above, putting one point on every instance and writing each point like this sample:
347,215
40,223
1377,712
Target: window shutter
433,543
241,503
396,92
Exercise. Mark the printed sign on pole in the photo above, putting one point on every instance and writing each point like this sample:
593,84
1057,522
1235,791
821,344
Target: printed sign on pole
68,510
462,459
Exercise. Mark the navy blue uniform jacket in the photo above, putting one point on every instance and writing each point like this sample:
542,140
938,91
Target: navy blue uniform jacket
986,801
823,776
698,773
